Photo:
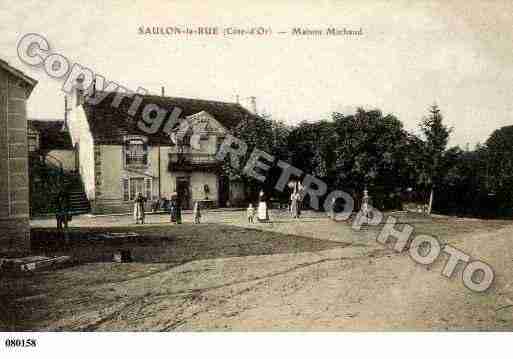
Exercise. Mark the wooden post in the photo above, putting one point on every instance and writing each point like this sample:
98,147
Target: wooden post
431,195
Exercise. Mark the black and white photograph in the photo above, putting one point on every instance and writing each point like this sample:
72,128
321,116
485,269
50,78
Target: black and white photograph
330,172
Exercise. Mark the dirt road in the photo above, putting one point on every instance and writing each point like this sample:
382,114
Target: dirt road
309,275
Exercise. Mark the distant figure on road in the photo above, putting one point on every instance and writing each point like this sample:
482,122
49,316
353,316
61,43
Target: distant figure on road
332,209
139,208
294,204
295,199
300,193
62,209
366,206
196,212
175,210
250,213
262,212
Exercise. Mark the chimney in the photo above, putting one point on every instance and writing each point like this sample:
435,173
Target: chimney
162,91
237,99
79,91
94,87
252,104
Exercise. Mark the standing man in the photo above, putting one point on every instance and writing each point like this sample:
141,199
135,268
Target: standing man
62,209
300,195
172,209
178,210
196,212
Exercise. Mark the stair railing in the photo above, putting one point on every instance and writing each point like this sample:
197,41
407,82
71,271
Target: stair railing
54,161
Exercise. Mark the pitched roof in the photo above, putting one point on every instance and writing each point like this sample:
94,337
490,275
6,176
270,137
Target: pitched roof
109,124
28,80
51,134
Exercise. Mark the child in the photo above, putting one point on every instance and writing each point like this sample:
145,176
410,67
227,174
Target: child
196,213
251,213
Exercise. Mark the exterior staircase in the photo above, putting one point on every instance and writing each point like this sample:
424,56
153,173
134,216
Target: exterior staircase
47,180
77,197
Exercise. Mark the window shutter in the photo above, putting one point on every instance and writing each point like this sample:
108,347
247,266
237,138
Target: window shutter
126,190
148,188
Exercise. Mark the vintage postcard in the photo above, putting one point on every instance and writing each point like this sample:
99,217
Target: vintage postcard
272,166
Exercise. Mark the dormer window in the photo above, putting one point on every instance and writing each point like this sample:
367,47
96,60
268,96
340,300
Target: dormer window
136,152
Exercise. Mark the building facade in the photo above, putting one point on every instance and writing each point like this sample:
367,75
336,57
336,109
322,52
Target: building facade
117,160
15,89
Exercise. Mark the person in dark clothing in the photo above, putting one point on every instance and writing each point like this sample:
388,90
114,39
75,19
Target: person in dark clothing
172,210
178,211
175,210
62,210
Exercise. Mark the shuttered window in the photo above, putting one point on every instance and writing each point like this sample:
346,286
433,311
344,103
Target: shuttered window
148,188
136,152
126,190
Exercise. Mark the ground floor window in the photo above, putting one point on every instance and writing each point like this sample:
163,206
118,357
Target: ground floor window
134,185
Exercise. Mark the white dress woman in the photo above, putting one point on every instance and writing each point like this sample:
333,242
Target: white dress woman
262,212
366,207
294,205
139,209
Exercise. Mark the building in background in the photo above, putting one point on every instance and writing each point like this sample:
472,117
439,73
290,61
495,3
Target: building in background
15,89
117,160
50,140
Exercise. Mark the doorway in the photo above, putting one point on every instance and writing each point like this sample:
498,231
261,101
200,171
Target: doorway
224,190
183,185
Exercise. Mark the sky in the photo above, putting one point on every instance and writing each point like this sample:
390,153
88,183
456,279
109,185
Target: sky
457,54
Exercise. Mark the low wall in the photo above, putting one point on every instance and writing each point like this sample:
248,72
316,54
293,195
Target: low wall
15,236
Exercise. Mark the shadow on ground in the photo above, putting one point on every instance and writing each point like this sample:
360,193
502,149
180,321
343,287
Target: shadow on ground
173,244
24,297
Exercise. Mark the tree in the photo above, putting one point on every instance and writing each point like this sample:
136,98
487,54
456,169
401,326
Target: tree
499,174
264,134
437,137
311,146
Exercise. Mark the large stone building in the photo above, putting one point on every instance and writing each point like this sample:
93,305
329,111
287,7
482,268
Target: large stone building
117,160
15,89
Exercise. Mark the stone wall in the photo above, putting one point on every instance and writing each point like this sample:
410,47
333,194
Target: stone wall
14,186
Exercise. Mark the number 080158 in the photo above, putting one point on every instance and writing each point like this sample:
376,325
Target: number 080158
20,343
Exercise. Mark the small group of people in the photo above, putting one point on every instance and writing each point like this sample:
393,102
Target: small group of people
262,210
174,207
296,199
